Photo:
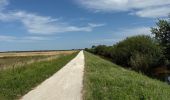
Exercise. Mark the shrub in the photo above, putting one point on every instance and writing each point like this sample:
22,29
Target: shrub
101,50
140,62
138,52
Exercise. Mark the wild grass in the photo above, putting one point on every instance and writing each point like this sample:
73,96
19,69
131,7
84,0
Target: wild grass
16,82
35,53
104,80
15,61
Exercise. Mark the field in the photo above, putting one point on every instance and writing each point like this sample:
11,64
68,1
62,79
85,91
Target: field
15,82
104,80
37,53
10,60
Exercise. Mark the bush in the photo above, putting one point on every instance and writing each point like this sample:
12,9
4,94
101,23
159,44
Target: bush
140,53
101,50
140,62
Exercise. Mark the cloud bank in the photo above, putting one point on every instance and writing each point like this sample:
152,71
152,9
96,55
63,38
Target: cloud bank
44,24
38,24
142,8
122,34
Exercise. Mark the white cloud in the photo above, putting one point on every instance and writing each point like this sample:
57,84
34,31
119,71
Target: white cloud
95,25
44,24
135,6
3,3
136,31
128,32
35,38
154,12
122,34
37,24
104,41
5,38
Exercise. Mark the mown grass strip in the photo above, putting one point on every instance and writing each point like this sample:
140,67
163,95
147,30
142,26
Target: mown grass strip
104,80
14,83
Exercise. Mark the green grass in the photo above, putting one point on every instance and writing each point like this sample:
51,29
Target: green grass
14,83
104,80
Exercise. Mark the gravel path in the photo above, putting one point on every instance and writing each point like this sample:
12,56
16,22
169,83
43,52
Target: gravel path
66,84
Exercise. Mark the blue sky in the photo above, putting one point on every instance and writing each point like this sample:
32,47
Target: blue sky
69,24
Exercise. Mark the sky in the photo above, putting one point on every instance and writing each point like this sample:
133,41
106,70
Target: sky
73,24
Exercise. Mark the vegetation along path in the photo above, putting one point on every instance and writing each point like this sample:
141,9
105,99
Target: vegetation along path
66,84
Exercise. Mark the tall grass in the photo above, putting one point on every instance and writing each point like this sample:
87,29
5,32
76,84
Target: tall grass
16,61
18,81
104,80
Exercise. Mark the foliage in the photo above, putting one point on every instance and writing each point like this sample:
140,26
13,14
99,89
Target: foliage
140,62
140,53
162,35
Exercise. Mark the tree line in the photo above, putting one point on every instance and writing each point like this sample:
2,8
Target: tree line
141,53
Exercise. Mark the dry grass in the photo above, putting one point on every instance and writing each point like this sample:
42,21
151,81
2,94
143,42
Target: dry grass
12,60
35,53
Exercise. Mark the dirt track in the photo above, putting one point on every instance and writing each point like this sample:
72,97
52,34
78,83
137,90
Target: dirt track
66,84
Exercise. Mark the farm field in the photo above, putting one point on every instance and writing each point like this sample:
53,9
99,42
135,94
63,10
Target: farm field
10,60
104,80
17,81
36,53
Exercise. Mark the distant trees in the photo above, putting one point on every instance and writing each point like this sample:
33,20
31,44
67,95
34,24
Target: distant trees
162,35
102,50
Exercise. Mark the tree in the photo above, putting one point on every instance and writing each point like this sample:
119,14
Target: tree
162,35
140,53
100,50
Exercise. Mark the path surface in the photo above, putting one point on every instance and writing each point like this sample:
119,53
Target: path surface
66,84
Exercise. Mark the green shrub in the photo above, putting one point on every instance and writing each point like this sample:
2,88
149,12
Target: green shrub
138,52
101,50
140,62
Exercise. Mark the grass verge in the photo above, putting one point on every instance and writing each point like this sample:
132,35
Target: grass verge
104,80
14,83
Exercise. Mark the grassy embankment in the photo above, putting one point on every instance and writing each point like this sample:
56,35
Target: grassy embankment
16,82
104,80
